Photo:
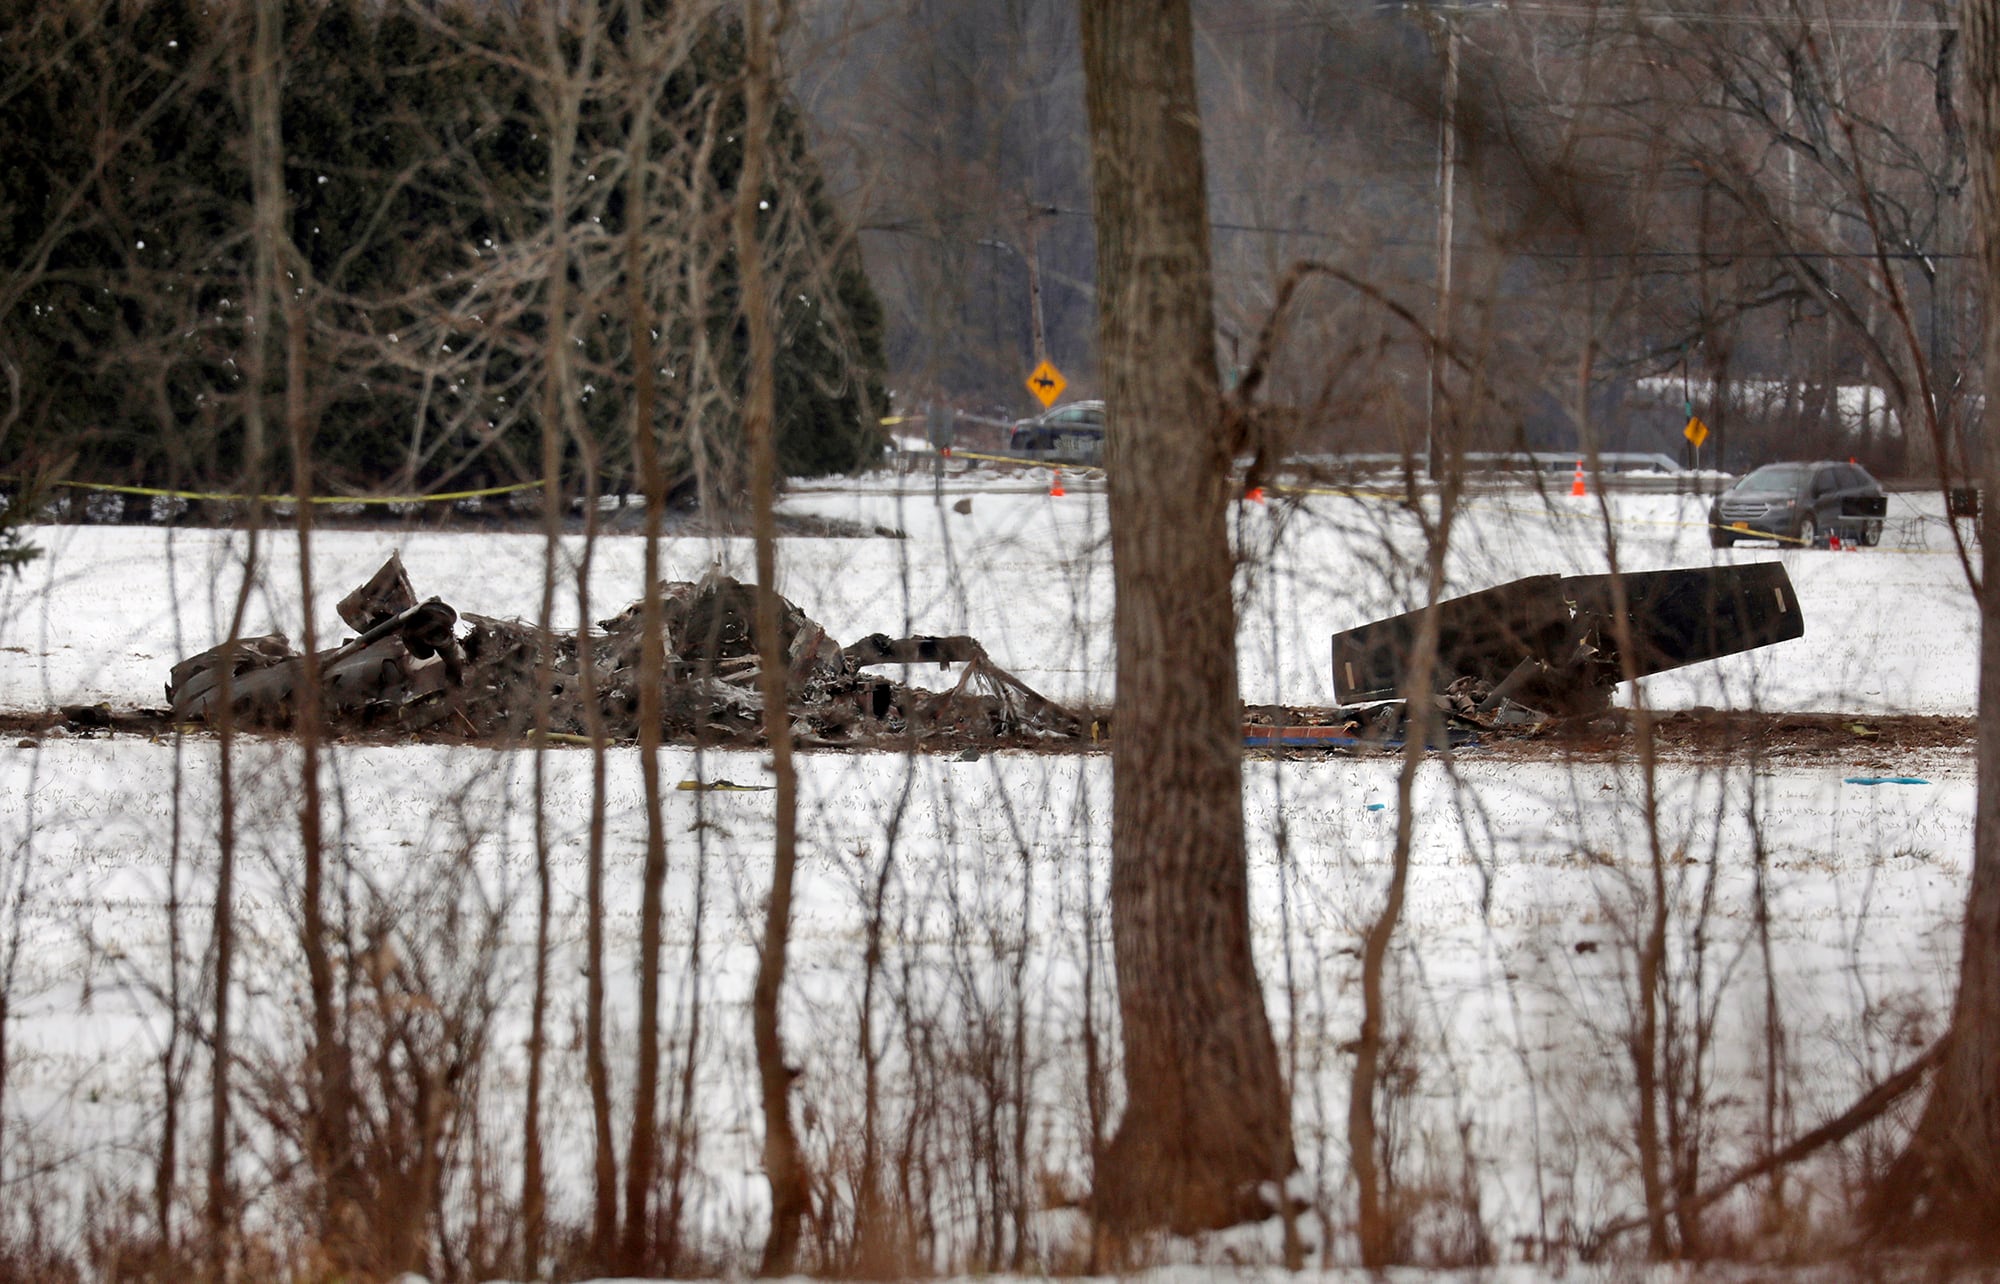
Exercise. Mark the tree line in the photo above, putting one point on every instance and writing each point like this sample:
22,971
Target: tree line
418,243
1752,205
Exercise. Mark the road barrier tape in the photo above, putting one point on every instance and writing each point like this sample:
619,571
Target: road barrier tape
1081,470
222,498
1016,460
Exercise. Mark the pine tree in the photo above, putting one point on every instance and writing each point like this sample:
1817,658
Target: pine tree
415,174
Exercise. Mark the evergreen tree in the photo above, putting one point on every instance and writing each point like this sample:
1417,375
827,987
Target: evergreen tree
416,175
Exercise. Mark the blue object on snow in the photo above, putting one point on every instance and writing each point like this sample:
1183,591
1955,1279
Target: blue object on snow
1886,780
1377,806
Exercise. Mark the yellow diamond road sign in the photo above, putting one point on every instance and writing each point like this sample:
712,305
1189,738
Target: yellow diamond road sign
1696,431
1047,383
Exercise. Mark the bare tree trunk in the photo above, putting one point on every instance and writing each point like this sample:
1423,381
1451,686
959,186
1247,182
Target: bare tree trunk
5,990
1094,1087
332,1148
1645,1053
1206,1120
1947,1182
596,1064
1643,1044
643,1152
784,1165
167,1163
534,1192
263,86
219,1213
872,1232
687,1129
562,92
1375,1225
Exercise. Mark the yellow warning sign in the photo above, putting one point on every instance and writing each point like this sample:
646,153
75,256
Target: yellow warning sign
1047,383
1696,431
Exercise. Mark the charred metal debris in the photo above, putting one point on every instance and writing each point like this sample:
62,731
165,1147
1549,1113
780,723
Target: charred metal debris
1552,647
1511,661
422,667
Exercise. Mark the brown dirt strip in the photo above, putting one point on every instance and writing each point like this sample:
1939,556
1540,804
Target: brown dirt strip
1864,743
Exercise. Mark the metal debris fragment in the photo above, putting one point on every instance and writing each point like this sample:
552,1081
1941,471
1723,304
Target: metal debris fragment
1553,646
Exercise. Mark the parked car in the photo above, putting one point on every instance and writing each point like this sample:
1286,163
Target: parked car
1072,434
1800,501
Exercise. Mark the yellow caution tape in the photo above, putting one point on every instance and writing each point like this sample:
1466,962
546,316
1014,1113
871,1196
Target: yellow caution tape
1081,470
218,497
1019,462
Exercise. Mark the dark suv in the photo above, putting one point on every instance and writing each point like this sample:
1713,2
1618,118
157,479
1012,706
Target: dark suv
1072,434
1805,502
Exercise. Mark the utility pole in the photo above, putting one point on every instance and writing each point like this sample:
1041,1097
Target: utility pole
1448,189
1033,259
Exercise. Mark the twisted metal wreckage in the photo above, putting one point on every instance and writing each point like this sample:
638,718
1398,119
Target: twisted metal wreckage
422,667
1523,656
1510,660
1557,645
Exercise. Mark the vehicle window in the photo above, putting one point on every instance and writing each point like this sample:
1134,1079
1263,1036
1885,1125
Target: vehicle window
1825,482
1852,478
1777,477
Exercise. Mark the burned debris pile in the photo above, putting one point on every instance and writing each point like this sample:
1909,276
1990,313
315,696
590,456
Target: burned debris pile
1510,661
422,667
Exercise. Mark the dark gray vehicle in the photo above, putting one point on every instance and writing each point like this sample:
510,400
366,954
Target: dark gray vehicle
1806,502
1072,434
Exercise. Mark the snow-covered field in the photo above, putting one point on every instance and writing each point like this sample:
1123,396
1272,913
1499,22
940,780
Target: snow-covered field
108,609
1509,1105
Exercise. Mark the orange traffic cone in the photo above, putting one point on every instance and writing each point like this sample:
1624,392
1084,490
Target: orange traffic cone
1055,487
1576,487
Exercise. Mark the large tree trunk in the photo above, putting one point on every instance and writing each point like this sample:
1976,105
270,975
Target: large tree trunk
1206,1120
1948,1180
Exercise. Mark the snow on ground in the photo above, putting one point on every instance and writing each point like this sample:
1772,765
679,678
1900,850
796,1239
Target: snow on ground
1512,978
107,610
1510,984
